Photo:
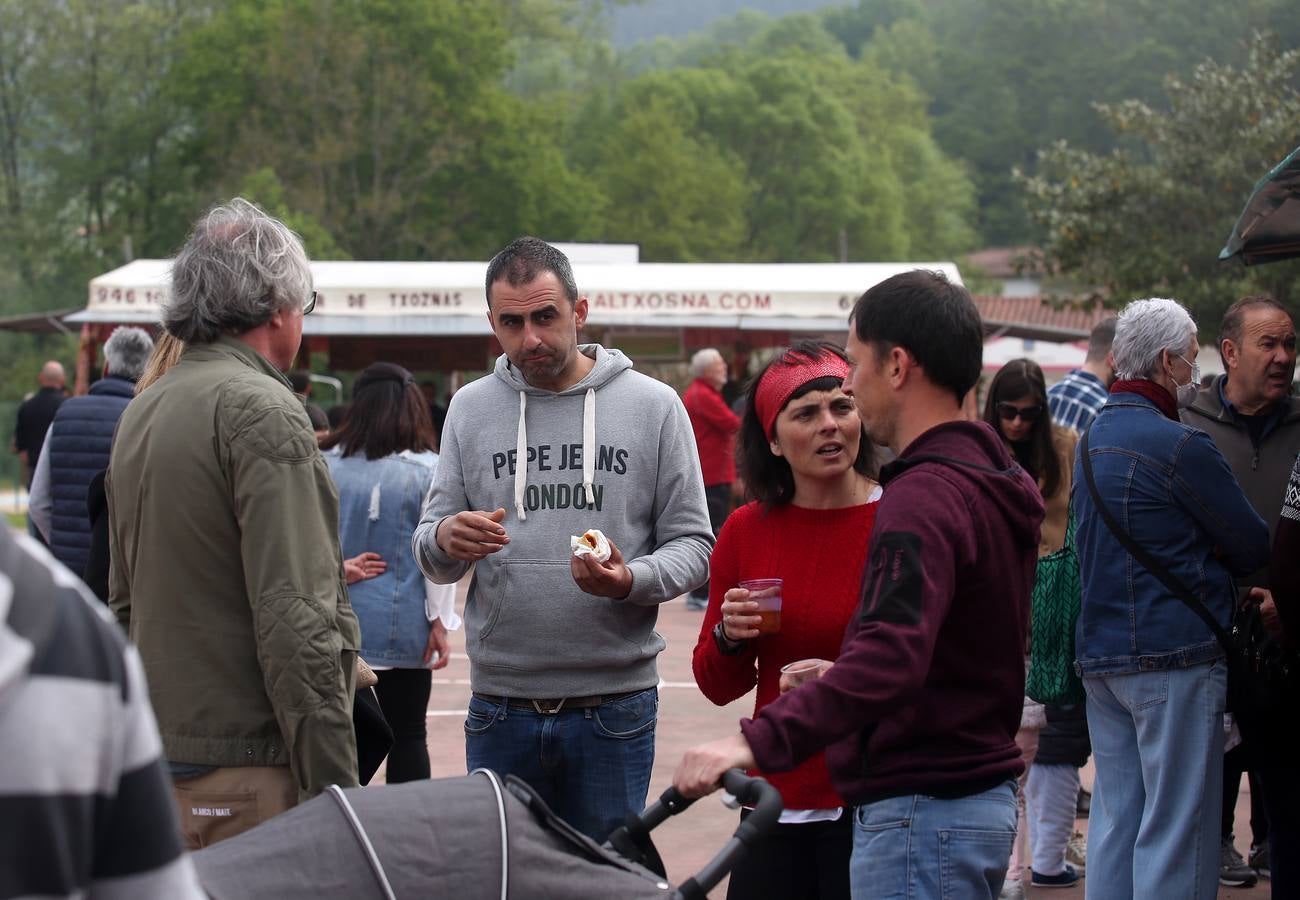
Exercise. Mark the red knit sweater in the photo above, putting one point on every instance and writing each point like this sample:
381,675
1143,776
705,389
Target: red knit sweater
819,555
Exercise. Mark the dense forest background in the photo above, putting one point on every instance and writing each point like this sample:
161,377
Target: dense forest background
1099,130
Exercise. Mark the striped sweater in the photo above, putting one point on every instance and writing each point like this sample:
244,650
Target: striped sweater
86,808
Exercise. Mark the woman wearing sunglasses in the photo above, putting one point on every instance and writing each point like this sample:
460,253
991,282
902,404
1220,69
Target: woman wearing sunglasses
1017,407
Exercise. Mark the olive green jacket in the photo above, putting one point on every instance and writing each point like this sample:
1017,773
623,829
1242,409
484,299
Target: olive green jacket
226,569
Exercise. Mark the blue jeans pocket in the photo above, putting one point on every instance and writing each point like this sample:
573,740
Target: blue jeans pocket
627,718
969,857
1150,690
481,716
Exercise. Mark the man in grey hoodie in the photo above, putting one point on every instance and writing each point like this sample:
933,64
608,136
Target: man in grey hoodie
560,439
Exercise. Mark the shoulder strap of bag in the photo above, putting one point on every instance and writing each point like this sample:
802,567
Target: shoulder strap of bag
1147,561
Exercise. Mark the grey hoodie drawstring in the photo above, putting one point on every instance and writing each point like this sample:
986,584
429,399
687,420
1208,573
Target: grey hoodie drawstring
521,457
588,450
588,444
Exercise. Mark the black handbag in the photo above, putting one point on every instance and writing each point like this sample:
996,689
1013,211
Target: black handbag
1263,676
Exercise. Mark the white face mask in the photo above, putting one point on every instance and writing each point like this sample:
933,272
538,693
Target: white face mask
1185,394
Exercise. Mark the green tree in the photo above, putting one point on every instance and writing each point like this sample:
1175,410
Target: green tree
1150,218
681,198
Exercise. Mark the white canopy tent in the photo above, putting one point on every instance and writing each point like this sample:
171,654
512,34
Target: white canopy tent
446,298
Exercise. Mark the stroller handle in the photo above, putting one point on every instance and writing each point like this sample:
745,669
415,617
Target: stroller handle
749,791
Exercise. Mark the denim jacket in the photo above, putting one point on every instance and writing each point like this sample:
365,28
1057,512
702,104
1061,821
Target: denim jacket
380,502
1169,486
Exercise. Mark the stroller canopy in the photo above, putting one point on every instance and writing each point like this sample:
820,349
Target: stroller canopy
469,837
1269,227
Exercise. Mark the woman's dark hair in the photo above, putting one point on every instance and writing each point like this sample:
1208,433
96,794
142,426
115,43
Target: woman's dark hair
768,478
388,414
1017,380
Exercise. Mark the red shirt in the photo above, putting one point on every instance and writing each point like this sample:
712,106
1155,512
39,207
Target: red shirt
819,555
715,429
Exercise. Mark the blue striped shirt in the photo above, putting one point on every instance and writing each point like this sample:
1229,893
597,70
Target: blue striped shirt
1076,399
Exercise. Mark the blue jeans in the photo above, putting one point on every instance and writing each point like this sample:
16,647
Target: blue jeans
918,847
591,766
1157,743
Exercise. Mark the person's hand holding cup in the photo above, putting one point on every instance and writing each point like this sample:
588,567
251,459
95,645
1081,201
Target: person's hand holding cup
752,609
796,673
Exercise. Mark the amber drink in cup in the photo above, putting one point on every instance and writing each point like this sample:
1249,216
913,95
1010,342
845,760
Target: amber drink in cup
767,593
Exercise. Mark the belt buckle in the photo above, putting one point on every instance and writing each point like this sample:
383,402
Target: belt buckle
548,707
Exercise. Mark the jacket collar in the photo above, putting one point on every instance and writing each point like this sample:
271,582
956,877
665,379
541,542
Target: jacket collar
1213,403
233,347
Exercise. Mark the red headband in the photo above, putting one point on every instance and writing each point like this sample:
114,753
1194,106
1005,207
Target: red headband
787,375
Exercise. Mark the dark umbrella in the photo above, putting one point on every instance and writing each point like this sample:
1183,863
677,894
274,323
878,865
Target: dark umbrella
1269,227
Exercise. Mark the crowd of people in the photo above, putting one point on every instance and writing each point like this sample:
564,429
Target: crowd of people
266,565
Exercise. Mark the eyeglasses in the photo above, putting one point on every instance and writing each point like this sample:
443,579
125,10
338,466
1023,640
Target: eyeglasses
310,304
1010,412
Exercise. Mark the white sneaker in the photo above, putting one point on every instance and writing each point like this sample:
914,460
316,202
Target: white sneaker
1012,890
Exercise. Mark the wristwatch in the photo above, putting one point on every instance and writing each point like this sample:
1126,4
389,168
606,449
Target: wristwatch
726,646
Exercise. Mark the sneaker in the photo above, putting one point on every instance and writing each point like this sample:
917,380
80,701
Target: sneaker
1067,878
1083,805
1259,860
1233,870
697,604
1076,852
1012,890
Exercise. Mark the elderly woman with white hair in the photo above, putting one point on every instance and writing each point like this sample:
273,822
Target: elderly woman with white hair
1153,671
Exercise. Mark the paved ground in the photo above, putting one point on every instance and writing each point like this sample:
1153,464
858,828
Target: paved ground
686,718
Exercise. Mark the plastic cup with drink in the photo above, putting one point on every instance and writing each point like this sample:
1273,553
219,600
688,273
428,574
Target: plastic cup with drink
796,673
766,592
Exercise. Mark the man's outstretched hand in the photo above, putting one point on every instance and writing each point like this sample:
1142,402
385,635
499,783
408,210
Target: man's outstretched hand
701,769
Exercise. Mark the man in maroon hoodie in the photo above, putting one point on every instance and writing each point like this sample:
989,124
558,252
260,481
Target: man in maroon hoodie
918,714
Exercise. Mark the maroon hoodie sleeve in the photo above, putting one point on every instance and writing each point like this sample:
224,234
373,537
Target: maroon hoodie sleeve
921,536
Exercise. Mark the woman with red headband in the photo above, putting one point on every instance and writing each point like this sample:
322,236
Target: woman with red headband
809,467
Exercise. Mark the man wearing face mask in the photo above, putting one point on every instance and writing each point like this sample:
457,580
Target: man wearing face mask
1255,422
1153,671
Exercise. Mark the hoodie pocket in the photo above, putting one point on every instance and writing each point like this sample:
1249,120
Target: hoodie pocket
541,619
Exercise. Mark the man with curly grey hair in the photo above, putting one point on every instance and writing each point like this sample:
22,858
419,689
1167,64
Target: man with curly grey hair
76,449
224,540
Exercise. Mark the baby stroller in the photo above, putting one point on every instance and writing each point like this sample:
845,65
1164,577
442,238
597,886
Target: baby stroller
468,838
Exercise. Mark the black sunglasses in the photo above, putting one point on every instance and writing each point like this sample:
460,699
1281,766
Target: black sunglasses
310,304
1010,412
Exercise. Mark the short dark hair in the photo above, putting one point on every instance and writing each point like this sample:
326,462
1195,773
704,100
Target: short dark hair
768,478
1235,318
388,414
300,381
1101,339
523,259
1023,378
931,318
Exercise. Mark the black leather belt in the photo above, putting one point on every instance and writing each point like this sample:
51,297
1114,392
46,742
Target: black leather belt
552,706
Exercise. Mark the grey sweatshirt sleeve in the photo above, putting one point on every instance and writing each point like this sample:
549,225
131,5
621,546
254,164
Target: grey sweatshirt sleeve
40,497
446,498
683,535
